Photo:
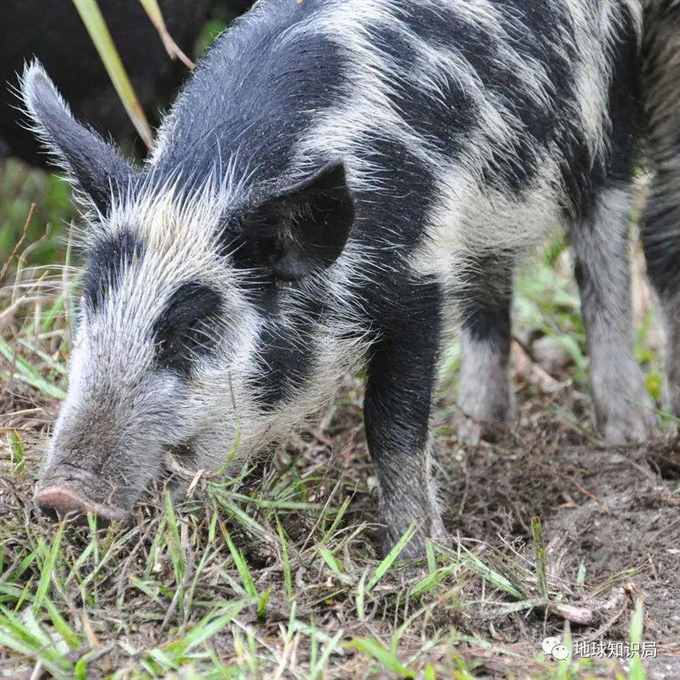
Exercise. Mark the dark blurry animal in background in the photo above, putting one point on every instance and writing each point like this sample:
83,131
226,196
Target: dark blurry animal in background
55,34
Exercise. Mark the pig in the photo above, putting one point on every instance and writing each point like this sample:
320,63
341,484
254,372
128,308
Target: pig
340,185
661,220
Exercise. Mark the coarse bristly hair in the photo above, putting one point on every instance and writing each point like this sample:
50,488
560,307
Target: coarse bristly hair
660,227
333,173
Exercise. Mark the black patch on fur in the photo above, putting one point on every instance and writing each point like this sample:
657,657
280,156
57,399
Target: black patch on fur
401,378
105,265
488,320
285,353
253,95
391,216
258,283
486,298
301,229
660,237
659,229
186,328
578,170
444,121
584,177
295,232
284,360
625,105
534,32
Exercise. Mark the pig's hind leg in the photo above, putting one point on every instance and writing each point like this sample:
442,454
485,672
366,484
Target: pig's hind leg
661,223
623,409
485,398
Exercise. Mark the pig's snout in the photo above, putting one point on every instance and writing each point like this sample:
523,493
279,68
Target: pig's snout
60,501
69,496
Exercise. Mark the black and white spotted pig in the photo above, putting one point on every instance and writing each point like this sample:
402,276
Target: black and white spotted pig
339,181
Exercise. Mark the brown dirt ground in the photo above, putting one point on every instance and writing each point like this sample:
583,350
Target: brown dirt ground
615,511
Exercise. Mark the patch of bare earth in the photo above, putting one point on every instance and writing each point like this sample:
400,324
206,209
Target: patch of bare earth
612,513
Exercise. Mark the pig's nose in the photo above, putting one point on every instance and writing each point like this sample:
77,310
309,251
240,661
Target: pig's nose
61,500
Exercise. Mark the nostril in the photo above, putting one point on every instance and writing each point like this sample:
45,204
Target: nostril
59,501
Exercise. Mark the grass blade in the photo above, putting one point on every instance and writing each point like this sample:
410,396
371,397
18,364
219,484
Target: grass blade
539,554
154,13
48,568
380,653
285,560
17,636
27,373
637,670
241,566
202,631
391,558
101,37
177,556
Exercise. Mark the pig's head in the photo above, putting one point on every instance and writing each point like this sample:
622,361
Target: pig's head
181,313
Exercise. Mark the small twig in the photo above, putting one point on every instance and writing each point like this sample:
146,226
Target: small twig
171,47
38,671
19,243
581,615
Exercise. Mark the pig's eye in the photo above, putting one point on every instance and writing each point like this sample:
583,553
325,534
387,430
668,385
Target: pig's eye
187,327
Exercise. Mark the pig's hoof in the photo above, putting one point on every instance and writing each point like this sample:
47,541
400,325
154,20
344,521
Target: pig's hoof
471,431
633,428
630,422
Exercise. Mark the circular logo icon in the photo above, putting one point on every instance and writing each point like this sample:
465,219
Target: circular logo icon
552,646
560,652
549,644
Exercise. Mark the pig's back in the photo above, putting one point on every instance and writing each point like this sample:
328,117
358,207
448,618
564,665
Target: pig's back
432,105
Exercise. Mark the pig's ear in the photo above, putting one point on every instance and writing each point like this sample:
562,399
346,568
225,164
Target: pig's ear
96,168
304,227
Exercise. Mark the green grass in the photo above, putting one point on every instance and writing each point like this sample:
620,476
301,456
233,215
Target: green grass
20,188
175,594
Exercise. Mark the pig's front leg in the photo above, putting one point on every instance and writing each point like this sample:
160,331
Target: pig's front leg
401,376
